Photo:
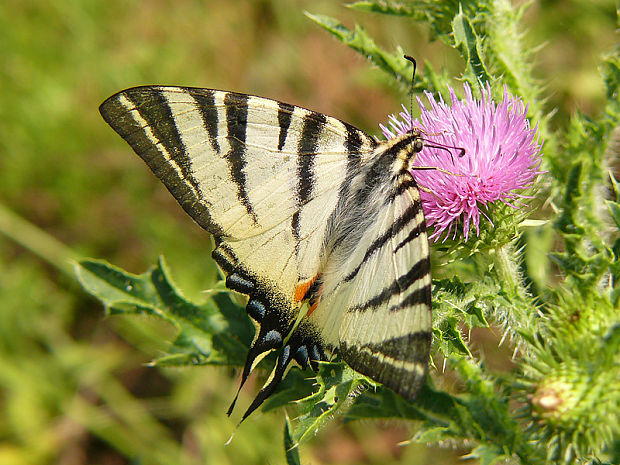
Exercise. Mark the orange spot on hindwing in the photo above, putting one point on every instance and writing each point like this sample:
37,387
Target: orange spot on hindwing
311,291
302,289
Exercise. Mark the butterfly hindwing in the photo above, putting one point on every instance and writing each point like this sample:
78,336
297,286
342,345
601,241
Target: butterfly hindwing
398,294
304,209
376,297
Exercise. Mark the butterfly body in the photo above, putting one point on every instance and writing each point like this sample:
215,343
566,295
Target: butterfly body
307,212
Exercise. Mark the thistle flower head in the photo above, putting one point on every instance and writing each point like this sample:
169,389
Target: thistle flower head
502,156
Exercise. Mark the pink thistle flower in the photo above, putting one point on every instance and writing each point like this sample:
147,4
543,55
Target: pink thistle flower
502,156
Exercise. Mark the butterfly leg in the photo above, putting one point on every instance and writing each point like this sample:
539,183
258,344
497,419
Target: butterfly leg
434,168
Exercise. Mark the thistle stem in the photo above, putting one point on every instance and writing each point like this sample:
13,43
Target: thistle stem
520,313
506,268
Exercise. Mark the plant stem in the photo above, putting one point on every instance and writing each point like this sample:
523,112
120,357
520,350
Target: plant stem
506,268
520,311
37,241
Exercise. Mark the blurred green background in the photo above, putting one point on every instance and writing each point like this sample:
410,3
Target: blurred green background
74,387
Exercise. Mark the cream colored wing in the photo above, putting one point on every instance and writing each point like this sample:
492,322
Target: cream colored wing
262,176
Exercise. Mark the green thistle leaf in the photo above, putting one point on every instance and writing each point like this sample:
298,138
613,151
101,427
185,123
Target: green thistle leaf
215,333
470,45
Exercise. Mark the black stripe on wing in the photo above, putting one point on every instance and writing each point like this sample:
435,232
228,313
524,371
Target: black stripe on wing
285,115
401,223
421,295
205,98
156,111
412,347
400,363
413,234
313,124
121,111
353,145
306,150
237,124
418,271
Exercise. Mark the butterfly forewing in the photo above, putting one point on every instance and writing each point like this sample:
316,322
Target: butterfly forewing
303,208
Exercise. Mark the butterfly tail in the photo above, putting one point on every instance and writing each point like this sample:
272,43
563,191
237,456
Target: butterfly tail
276,377
263,344
302,348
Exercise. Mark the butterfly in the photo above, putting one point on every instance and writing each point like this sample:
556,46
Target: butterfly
319,224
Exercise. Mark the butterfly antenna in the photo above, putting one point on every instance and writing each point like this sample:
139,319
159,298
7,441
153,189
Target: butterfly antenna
448,148
432,144
412,60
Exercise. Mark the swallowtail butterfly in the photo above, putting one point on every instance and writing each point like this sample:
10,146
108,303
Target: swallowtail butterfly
308,213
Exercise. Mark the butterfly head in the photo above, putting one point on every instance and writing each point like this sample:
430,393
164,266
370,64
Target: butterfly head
417,141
